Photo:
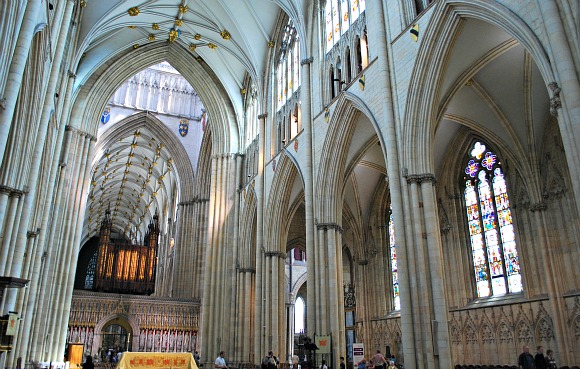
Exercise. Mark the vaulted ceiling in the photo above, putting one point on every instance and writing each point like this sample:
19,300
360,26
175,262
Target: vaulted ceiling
232,37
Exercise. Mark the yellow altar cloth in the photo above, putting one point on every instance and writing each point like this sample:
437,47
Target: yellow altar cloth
157,360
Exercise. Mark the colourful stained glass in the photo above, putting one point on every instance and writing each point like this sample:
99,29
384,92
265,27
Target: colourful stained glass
279,86
296,65
495,258
345,19
394,268
354,11
335,21
489,160
471,168
290,76
328,11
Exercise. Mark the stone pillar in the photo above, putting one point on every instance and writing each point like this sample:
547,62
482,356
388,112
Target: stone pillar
399,203
308,195
219,295
16,72
554,285
429,307
566,90
330,288
259,329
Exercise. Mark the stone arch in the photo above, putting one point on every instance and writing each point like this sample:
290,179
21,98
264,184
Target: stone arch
248,225
126,322
278,202
421,109
331,176
92,97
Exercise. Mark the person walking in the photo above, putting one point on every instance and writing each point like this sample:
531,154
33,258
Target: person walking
379,360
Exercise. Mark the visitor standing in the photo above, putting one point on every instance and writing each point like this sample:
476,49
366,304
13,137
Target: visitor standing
550,361
539,359
220,361
526,360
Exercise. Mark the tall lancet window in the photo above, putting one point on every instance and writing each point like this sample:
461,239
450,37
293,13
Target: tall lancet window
491,230
394,268
339,15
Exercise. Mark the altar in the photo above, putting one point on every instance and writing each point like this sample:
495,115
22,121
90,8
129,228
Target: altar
157,360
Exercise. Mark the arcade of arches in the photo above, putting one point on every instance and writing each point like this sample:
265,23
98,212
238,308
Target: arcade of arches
181,175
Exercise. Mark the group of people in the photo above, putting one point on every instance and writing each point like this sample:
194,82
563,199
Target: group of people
539,361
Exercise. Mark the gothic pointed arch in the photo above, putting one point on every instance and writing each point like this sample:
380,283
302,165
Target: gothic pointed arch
333,164
277,213
422,108
92,97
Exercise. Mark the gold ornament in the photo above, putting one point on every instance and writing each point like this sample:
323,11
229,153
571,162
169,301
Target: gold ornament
132,27
183,8
134,11
155,27
243,91
225,35
173,35
212,46
151,37
136,46
192,47
83,3
197,36
271,44
178,22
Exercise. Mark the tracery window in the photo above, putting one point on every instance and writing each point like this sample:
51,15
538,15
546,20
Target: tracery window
288,68
339,16
90,276
394,268
491,230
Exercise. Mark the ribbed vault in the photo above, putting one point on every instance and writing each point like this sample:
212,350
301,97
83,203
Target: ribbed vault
137,168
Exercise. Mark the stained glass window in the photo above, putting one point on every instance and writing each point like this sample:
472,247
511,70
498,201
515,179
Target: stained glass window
288,69
491,231
339,16
394,268
90,276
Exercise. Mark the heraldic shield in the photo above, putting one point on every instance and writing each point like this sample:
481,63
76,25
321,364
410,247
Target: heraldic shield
183,127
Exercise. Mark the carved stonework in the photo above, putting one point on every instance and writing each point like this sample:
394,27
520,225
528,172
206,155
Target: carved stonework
555,101
444,223
544,325
505,333
455,332
470,331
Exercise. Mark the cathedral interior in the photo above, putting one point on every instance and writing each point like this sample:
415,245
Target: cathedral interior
246,176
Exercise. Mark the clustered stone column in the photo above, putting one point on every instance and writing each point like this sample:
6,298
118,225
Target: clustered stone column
328,286
429,310
218,286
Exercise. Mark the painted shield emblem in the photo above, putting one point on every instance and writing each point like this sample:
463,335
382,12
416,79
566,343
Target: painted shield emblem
106,115
183,127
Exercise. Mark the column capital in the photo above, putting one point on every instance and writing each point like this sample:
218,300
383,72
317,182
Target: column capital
327,226
12,192
263,116
280,254
539,206
3,103
71,75
246,270
420,178
307,61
